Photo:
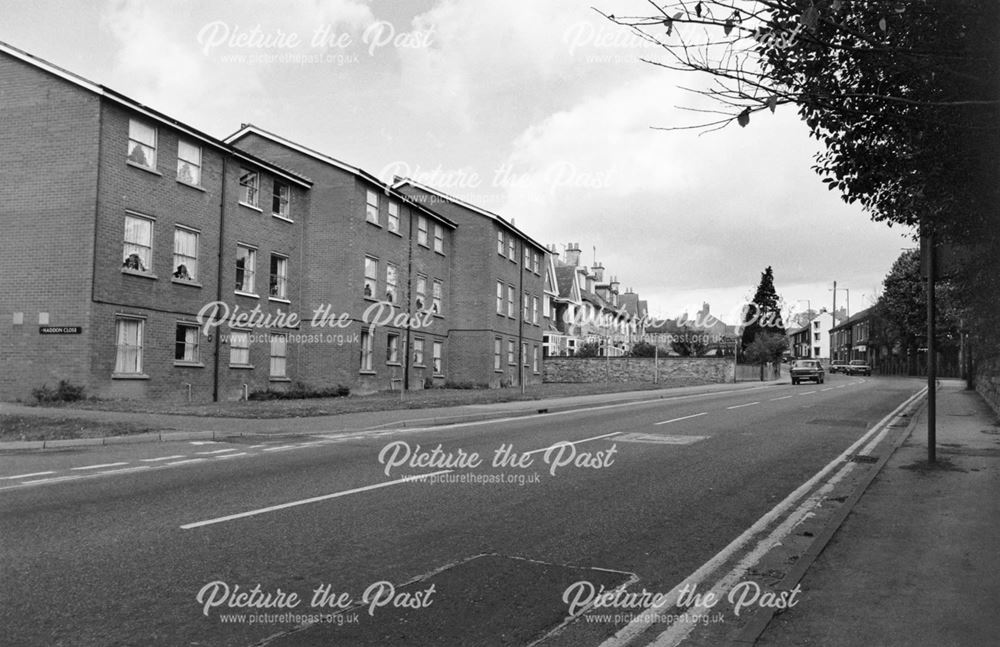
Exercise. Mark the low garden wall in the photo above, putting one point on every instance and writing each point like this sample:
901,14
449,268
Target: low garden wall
637,370
988,381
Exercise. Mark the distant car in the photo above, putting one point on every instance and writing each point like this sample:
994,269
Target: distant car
838,367
859,367
806,369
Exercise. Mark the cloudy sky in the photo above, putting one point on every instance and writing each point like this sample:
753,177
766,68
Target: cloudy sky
539,111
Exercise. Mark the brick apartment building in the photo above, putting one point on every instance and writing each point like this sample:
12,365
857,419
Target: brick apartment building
128,230
370,249
120,225
497,295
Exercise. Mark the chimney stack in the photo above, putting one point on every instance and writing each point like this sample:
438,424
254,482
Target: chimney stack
573,254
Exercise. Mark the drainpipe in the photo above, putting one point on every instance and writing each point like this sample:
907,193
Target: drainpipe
218,279
520,319
409,306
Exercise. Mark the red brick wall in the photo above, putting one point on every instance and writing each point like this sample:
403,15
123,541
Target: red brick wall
48,184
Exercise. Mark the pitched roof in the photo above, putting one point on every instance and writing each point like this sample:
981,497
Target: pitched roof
119,98
566,277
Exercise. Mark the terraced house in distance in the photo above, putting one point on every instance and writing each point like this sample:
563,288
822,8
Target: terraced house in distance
120,225
380,260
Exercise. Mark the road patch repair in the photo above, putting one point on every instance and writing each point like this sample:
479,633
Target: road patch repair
731,598
476,590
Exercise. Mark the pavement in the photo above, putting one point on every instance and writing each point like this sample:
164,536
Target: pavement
916,560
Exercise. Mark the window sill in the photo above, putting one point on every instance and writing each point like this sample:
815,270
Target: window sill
415,365
145,275
279,378
188,364
143,168
242,367
251,207
129,376
424,245
393,364
395,231
196,187
363,372
279,300
438,375
282,218
439,252
249,295
190,284
374,223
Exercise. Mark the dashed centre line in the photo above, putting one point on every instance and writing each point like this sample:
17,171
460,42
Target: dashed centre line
664,422
161,458
25,476
216,451
97,467
784,397
740,406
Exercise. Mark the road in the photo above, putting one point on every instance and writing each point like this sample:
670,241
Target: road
154,544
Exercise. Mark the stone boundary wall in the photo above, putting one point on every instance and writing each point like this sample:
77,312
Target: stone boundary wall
637,370
988,382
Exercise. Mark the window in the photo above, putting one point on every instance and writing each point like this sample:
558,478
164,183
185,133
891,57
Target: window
393,216
185,254
546,307
239,348
421,291
392,348
280,195
366,350
437,351
128,356
816,352
510,352
534,310
525,307
510,300
438,239
499,297
418,351
497,350
816,336
279,354
141,144
816,325
436,306
511,248
249,187
371,207
138,250
500,243
534,358
246,262
278,284
188,163
390,282
422,230
527,258
524,353
535,261
371,277
186,344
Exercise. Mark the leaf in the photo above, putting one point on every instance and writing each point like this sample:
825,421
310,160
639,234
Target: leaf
836,6
882,24
772,102
743,118
678,15
697,10
810,18
728,27
669,24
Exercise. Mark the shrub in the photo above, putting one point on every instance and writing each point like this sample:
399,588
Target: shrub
64,392
300,391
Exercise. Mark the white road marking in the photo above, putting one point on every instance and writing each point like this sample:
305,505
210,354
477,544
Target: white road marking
25,476
807,393
161,458
216,451
784,397
315,499
280,448
643,621
829,388
657,439
740,406
95,467
256,446
575,442
224,456
124,470
190,460
204,442
703,413
71,477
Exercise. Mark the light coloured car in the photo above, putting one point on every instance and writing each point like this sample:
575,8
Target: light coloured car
807,369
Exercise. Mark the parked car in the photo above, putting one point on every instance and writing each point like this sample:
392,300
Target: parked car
807,369
838,367
859,367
